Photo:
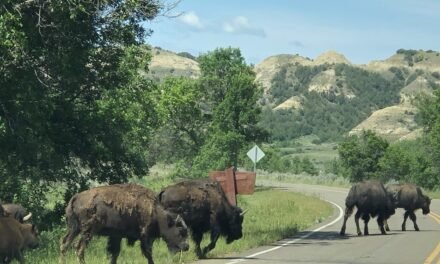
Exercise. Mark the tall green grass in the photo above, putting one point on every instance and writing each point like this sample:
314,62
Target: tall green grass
272,215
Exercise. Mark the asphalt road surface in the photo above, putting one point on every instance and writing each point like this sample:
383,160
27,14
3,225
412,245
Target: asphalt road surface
323,244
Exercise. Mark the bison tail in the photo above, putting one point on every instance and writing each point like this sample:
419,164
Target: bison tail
351,200
159,196
71,217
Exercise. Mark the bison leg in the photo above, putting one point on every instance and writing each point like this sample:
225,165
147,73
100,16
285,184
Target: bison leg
356,220
67,241
380,222
114,248
413,217
348,212
82,245
405,217
215,234
366,218
147,249
385,223
197,237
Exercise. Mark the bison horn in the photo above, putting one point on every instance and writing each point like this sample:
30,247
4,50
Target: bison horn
245,211
27,217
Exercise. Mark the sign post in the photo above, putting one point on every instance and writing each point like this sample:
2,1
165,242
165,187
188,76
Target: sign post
255,154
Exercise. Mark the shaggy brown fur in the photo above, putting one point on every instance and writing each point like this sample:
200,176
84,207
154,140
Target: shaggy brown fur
410,198
121,211
204,207
15,237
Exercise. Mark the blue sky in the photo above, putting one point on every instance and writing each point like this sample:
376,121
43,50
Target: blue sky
361,30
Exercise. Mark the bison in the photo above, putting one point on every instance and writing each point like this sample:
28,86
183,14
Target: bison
371,200
204,207
15,237
17,211
410,198
122,211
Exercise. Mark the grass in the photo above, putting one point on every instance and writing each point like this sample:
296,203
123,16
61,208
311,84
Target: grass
321,179
272,215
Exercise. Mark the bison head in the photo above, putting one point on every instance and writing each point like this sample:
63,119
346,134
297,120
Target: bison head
425,204
234,227
30,235
175,233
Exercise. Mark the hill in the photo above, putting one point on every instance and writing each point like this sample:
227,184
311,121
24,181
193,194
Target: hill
329,96
166,63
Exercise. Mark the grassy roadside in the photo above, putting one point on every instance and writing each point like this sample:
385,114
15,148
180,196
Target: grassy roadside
327,180
272,215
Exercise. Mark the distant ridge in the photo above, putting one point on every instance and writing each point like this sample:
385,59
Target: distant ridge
333,77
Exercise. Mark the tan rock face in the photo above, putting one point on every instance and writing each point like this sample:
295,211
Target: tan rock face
330,57
392,123
164,63
266,70
294,102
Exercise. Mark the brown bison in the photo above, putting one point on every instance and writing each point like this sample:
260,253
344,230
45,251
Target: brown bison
15,237
122,211
410,198
17,211
371,200
204,207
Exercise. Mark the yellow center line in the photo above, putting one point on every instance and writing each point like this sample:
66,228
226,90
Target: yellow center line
435,216
433,255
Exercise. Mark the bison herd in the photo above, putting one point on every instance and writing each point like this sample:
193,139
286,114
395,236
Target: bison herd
193,208
372,198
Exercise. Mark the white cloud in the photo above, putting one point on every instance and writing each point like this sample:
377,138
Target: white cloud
191,19
241,25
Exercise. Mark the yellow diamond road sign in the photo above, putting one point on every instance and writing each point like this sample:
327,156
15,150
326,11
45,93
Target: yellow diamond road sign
255,154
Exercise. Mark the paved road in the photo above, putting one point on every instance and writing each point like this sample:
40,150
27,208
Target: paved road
322,244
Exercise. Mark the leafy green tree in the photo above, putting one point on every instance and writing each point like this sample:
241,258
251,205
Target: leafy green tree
73,107
360,155
395,164
230,95
183,120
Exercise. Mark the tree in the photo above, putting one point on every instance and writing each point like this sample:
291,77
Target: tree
231,96
360,155
73,107
182,118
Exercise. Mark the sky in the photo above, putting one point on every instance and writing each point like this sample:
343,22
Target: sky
362,30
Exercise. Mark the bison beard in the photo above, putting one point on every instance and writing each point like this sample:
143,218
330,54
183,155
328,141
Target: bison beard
371,200
121,211
410,198
204,207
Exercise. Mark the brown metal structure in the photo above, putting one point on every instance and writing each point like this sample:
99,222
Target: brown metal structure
234,182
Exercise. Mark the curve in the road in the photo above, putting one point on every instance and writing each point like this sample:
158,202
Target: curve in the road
293,241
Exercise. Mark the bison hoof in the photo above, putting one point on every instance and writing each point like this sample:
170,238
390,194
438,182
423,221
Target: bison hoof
403,228
360,234
417,228
387,228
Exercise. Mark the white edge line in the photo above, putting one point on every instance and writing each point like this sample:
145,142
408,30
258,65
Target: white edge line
341,213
